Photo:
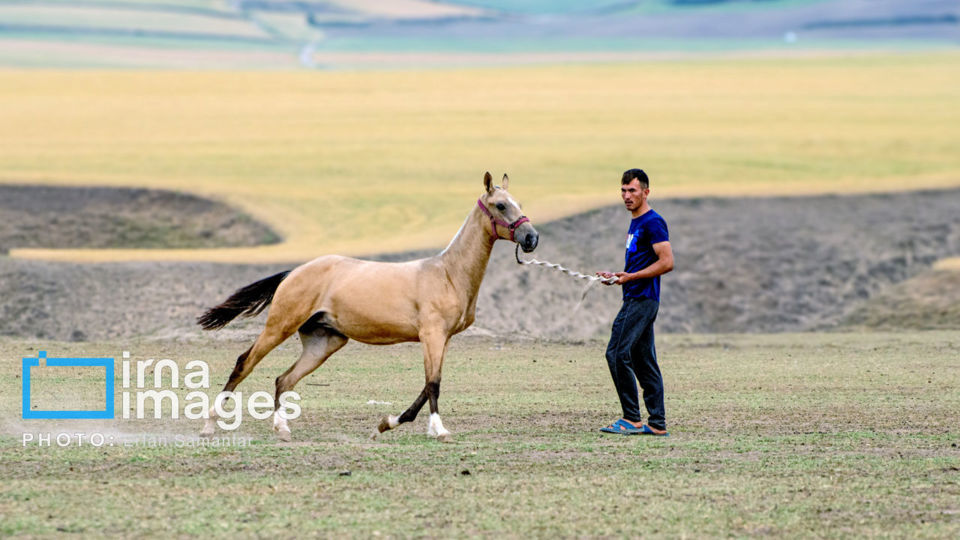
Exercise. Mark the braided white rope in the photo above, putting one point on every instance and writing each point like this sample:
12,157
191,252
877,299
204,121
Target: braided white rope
572,273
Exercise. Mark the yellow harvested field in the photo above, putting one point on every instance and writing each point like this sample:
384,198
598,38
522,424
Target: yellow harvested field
951,265
363,162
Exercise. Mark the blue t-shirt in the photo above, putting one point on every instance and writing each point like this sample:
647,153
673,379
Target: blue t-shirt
645,231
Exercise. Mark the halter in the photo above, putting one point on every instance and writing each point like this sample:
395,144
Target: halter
494,222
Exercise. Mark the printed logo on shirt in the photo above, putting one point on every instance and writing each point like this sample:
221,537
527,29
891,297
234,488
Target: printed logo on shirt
631,242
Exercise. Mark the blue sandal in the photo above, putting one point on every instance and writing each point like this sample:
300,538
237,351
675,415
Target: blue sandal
647,430
622,427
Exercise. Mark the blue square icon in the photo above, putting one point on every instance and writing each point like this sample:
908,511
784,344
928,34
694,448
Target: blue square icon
106,363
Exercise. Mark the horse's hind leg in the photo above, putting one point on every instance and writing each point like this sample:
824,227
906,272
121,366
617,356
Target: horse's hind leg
271,336
318,345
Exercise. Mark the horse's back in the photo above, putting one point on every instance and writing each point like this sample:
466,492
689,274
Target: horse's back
364,300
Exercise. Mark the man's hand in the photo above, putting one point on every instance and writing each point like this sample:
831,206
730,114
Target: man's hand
621,277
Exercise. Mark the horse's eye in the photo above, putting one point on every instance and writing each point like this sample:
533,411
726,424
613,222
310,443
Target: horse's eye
501,207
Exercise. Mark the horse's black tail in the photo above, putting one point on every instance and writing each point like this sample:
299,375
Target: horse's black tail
248,302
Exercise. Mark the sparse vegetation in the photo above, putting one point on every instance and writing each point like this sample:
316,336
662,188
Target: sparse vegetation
831,435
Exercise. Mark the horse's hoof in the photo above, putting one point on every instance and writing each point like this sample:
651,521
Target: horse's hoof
445,438
284,435
373,436
206,433
384,424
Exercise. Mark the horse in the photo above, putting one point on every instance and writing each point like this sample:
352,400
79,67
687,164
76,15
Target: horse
333,299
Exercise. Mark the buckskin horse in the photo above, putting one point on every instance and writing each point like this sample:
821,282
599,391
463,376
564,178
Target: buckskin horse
333,299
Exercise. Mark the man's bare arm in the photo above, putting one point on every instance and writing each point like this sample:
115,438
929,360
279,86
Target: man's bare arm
663,265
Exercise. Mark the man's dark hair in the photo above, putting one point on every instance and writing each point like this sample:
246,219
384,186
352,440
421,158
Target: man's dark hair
636,174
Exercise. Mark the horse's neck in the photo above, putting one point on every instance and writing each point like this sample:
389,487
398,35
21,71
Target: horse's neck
465,259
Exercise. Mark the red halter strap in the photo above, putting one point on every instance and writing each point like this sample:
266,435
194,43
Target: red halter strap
494,222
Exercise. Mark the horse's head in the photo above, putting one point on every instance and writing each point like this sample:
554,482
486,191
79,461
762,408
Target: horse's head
506,218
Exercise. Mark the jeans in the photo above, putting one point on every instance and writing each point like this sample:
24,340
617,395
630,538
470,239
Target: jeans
632,357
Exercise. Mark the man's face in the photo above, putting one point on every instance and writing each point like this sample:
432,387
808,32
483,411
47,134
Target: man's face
633,194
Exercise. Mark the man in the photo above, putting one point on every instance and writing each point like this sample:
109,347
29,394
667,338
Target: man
631,354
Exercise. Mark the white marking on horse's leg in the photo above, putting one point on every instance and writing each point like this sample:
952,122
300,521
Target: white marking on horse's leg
436,429
386,424
279,422
210,425
281,427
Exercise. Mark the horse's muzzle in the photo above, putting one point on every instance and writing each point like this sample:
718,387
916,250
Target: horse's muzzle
529,240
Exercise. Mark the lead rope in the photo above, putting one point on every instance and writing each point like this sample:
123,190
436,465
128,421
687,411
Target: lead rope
572,273
567,271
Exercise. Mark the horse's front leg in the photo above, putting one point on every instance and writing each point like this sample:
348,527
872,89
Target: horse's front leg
433,353
434,347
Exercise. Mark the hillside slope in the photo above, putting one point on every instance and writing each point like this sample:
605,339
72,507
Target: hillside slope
743,265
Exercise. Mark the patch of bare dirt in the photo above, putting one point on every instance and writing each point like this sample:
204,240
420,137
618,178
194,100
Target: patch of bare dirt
930,301
99,217
743,265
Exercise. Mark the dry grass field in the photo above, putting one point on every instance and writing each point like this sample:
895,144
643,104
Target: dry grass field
372,162
790,435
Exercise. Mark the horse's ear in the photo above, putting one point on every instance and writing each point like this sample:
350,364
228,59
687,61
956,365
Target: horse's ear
488,182
506,181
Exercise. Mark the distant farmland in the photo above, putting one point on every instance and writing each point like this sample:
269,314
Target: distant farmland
338,34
